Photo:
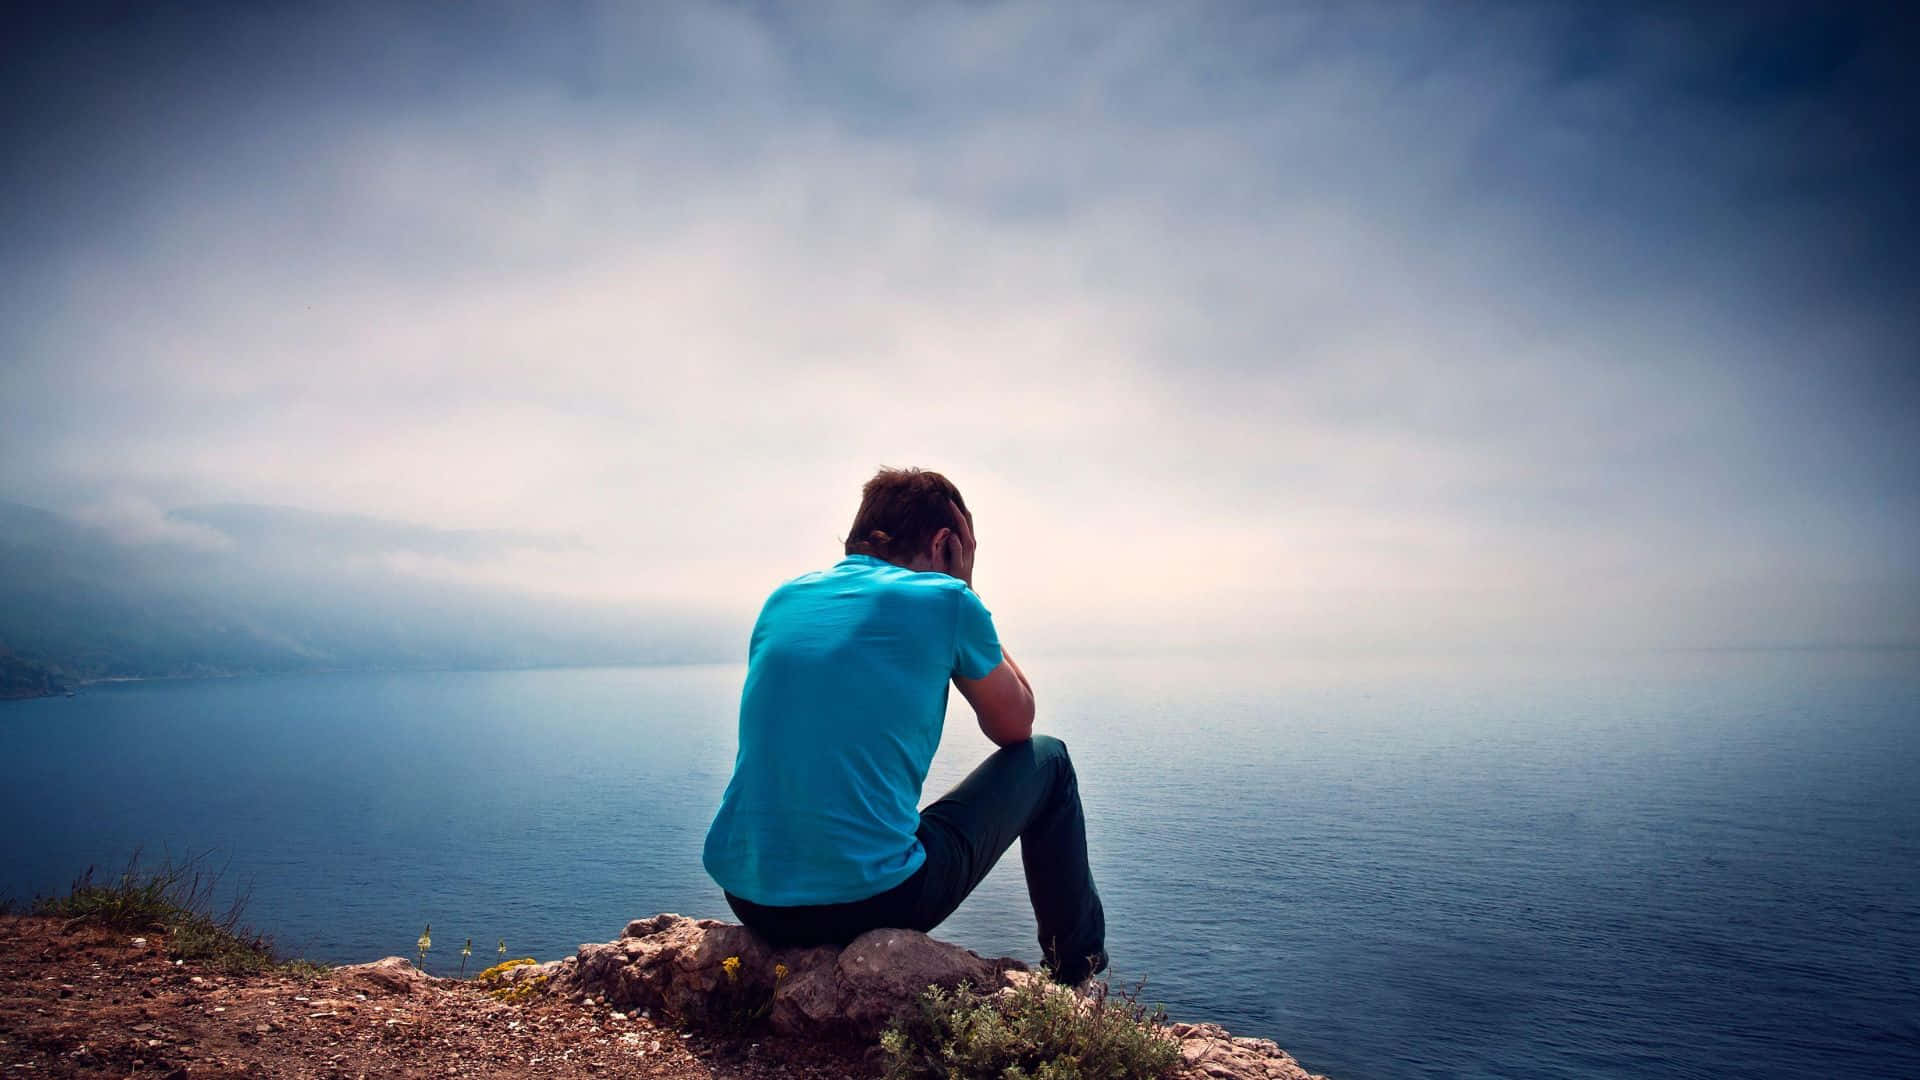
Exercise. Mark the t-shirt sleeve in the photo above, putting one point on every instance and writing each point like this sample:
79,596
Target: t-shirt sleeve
976,650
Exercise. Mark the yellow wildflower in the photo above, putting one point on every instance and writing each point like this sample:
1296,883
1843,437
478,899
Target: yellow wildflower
731,965
779,972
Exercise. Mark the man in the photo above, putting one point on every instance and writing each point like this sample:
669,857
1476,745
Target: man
817,839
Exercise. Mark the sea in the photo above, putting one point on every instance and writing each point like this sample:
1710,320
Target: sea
1689,864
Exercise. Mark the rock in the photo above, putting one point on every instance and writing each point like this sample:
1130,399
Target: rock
392,975
721,972
649,927
1208,1050
716,972
882,971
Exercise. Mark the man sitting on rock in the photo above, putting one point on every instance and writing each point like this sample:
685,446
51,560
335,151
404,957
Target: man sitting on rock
817,839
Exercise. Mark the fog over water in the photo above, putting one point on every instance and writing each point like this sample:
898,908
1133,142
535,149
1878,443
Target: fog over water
1351,329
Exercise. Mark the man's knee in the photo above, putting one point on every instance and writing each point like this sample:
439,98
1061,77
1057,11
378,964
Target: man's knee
1050,750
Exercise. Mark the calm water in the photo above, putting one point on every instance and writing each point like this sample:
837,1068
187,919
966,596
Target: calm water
1680,866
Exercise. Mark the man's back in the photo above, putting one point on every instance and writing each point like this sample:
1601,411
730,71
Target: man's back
844,702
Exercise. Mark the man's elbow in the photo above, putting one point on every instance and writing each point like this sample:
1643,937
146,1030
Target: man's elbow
1008,738
1014,726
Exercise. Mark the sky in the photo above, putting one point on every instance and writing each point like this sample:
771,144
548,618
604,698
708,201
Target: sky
1241,326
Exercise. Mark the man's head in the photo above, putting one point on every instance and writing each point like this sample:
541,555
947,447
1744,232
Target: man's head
902,514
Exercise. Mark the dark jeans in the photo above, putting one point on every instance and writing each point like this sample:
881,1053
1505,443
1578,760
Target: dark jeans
1026,791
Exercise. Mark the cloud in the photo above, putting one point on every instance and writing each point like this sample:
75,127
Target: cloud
1320,324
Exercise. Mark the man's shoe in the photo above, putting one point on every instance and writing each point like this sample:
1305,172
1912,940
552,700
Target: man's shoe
1080,969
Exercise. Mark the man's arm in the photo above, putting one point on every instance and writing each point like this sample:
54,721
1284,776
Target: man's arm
1002,701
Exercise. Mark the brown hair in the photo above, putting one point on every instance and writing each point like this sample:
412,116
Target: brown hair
900,510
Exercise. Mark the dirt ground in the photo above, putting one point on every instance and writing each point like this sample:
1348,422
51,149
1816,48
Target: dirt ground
84,1002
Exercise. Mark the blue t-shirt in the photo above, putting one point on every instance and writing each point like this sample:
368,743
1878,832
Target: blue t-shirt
845,697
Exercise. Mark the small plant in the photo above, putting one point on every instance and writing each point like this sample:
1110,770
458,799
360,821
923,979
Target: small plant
1036,1031
176,899
143,899
231,952
465,951
425,943
304,970
502,968
744,1001
512,991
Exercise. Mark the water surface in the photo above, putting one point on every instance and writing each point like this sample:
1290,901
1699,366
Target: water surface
1687,865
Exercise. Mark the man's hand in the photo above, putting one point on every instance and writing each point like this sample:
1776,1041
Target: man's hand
959,546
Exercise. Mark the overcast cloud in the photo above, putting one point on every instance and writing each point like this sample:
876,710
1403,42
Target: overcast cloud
1238,324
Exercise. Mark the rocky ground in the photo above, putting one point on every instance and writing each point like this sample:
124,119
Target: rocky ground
79,1001
91,1003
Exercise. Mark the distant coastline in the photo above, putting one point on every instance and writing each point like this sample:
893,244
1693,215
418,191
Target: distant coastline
24,680
60,687
21,679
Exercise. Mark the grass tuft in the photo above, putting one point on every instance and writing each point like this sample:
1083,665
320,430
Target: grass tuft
303,969
177,899
1036,1031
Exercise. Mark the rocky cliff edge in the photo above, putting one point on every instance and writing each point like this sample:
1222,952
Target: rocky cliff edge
699,970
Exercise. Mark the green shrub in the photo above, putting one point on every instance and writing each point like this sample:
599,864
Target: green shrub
303,969
176,899
138,900
231,951
1036,1031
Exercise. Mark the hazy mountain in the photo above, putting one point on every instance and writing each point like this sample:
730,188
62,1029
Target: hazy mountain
240,588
